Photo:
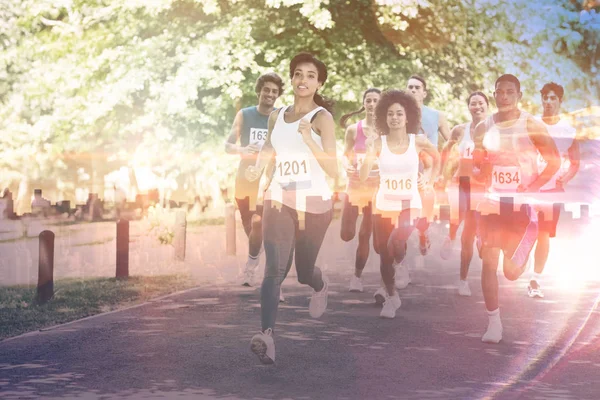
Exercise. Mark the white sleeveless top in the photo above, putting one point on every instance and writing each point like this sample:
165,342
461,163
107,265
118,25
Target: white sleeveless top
299,182
563,135
398,175
466,145
513,157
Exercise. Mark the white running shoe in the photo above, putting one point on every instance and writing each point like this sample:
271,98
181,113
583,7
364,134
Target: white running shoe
464,289
391,304
356,284
494,330
281,298
318,301
263,346
447,248
248,275
402,276
380,295
535,290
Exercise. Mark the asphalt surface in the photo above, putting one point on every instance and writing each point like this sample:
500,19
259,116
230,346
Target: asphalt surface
195,345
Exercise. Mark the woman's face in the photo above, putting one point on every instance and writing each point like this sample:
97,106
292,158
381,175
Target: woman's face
396,117
478,107
305,80
370,101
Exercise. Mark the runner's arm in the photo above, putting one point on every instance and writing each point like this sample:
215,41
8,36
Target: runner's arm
231,146
444,128
455,137
574,163
373,150
547,148
350,139
431,154
481,168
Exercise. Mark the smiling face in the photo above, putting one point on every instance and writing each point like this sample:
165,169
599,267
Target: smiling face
478,107
396,117
417,89
305,80
551,103
370,101
268,94
507,96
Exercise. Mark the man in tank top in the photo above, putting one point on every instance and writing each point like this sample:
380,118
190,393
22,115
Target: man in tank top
250,131
506,148
564,136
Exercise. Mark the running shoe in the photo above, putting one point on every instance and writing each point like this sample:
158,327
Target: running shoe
318,301
356,284
534,290
447,248
263,346
494,330
424,243
380,295
402,276
281,298
248,275
391,304
464,289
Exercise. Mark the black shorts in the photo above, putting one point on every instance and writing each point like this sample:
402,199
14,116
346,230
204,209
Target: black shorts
246,213
514,232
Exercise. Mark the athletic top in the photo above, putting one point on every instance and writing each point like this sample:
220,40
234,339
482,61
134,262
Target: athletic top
563,135
398,178
512,154
360,153
430,123
299,182
253,131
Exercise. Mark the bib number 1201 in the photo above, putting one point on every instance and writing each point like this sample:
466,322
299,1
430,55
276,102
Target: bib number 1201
289,168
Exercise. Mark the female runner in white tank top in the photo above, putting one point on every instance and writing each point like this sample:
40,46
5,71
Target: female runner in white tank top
464,192
297,206
397,204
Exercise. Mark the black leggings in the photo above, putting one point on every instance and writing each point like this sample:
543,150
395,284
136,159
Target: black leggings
392,242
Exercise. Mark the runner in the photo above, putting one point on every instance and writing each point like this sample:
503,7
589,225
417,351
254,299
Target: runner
250,131
461,197
397,152
506,147
298,207
359,196
563,135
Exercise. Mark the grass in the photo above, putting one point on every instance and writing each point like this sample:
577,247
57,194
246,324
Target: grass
75,299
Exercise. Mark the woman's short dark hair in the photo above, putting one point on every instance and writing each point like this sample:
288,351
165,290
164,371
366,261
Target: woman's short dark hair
406,100
268,77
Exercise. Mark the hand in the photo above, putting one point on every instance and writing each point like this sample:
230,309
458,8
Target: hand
304,129
252,173
524,189
370,144
559,184
423,182
440,183
250,149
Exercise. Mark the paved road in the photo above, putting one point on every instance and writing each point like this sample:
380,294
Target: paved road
195,345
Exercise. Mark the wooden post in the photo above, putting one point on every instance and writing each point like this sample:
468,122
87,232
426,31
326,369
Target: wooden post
122,249
45,287
230,229
179,239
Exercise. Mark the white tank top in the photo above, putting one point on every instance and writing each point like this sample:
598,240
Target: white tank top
466,145
563,135
512,154
298,176
398,174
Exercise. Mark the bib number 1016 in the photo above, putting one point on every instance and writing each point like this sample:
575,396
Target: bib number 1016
398,184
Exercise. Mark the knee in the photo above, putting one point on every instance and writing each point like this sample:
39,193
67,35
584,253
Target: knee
347,234
512,274
256,222
397,249
364,235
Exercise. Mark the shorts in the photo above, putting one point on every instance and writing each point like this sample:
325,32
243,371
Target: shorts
514,232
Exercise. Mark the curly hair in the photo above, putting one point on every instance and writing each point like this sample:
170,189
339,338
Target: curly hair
406,100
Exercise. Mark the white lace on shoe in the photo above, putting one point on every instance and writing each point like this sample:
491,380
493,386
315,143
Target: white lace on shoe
318,301
535,290
391,304
263,346
447,248
464,289
402,276
356,284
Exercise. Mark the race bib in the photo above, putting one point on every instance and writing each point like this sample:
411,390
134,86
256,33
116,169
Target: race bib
258,136
293,172
506,178
397,187
468,151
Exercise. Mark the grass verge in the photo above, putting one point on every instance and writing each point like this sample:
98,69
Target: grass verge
75,299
